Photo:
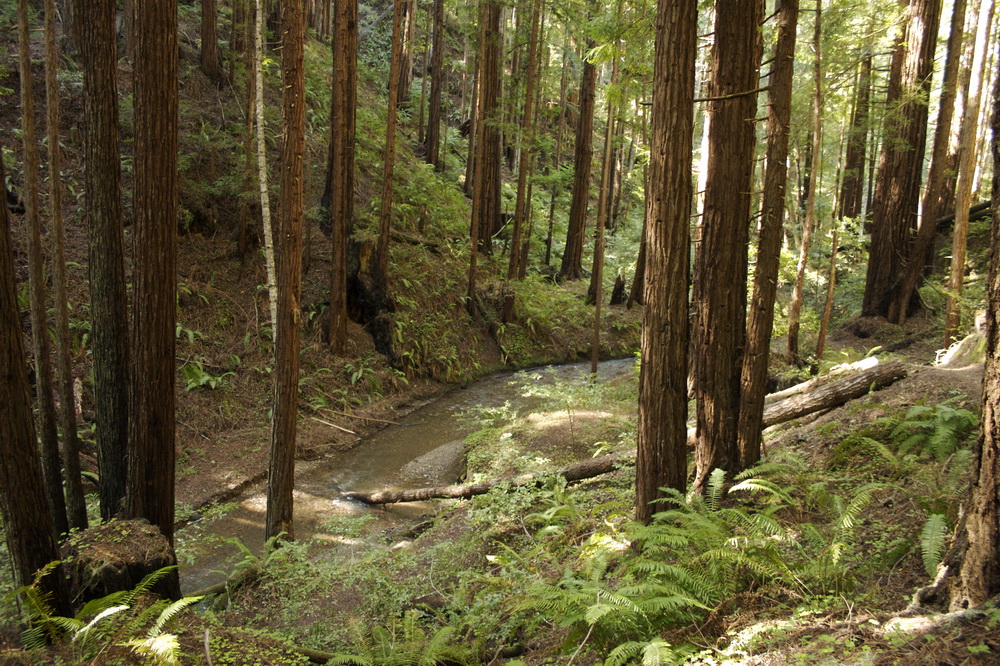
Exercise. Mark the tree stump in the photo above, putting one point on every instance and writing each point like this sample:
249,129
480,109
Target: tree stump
112,557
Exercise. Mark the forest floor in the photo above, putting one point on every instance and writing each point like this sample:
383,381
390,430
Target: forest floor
476,566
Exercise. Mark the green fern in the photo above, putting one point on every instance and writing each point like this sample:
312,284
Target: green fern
932,432
933,537
404,642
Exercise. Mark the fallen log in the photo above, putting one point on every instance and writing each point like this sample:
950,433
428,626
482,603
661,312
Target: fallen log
835,393
825,396
574,472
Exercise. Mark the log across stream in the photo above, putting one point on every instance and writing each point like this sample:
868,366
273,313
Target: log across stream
425,449
421,459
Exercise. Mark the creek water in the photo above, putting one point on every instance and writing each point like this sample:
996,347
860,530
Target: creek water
424,449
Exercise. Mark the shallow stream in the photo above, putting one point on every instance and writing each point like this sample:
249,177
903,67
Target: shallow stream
424,449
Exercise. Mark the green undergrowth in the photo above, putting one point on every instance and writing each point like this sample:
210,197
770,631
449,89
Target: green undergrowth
549,573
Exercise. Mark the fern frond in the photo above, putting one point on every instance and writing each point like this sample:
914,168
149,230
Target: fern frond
163,650
147,583
754,486
170,612
713,492
932,540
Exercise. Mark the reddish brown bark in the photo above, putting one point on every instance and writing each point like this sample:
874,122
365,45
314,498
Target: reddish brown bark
897,185
979,574
572,259
919,252
857,144
154,305
433,135
76,504
28,529
103,212
281,472
753,382
341,173
662,430
41,347
721,265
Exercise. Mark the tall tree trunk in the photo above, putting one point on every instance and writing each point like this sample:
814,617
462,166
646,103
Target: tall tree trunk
76,503
381,276
341,177
527,138
572,259
966,172
857,145
922,246
406,56
469,186
662,430
753,380
639,280
421,136
810,221
979,574
557,162
721,264
265,199
41,348
433,144
897,186
486,201
28,528
281,472
103,211
835,222
210,41
603,208
154,305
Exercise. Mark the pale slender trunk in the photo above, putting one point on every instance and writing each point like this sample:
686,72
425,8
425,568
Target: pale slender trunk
966,174
75,501
265,203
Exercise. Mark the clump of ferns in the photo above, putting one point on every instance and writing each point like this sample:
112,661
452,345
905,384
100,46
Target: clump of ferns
121,619
407,641
670,573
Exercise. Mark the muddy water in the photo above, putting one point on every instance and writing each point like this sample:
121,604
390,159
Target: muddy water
424,449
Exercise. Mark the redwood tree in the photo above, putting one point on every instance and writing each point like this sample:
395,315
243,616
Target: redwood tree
433,135
897,185
210,40
979,574
760,321
857,143
95,23
721,264
920,249
41,348
281,473
154,306
28,529
662,429
76,504
340,183
572,259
